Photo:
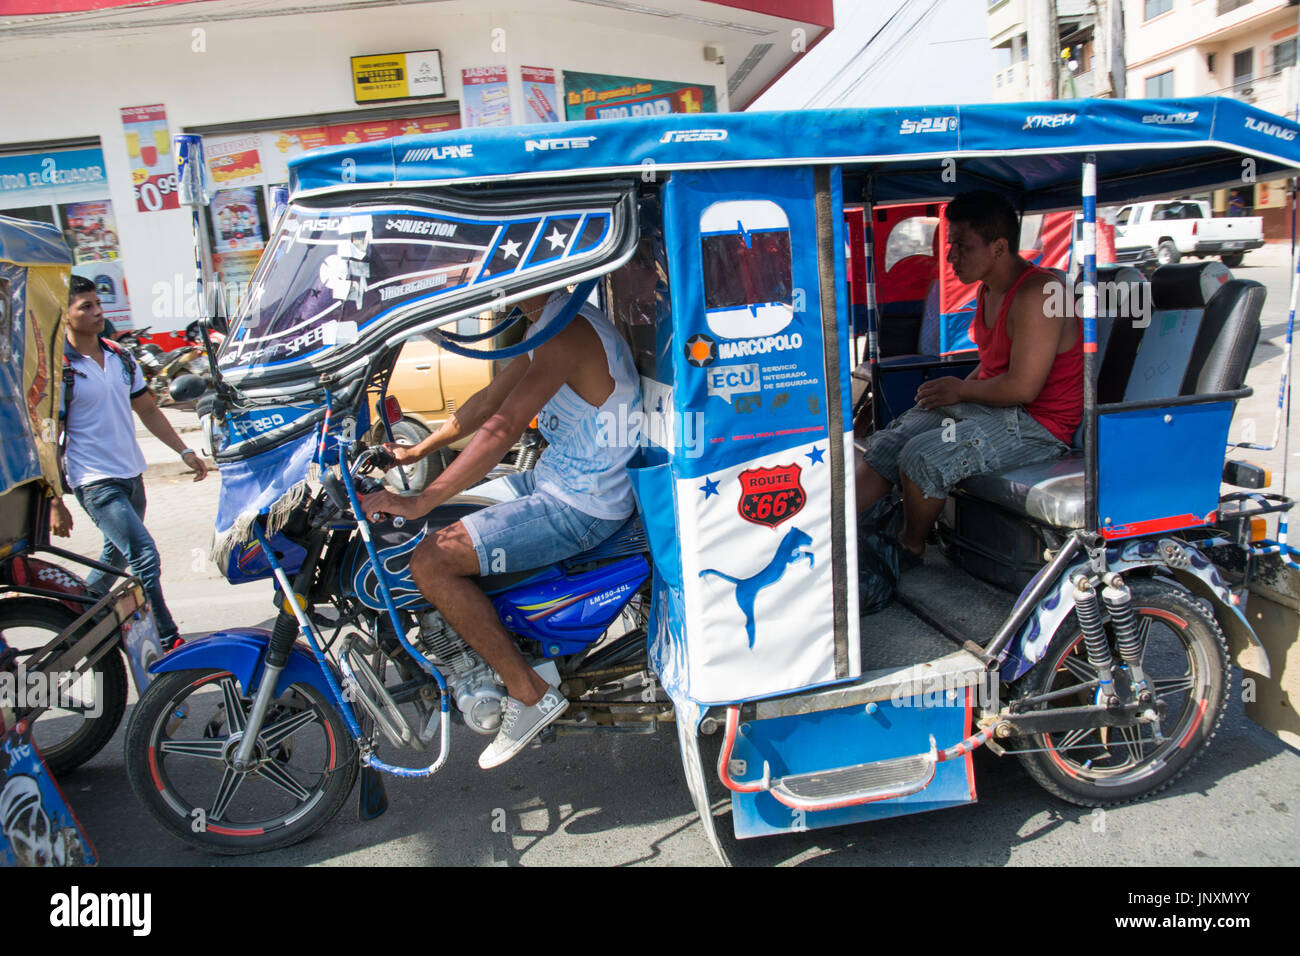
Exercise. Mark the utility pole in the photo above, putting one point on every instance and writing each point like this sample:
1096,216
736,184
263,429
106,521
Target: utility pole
1044,49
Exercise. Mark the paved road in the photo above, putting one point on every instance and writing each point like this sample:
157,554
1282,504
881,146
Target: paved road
622,800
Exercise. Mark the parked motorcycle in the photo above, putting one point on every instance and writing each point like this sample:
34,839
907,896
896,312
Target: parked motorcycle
161,368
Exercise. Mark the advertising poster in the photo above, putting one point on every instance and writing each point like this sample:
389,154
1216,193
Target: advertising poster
279,146
90,230
237,220
485,96
149,148
234,161
396,76
110,283
235,271
540,103
597,96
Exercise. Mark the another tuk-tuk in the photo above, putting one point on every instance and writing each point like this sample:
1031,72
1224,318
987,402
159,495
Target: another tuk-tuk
717,244
63,680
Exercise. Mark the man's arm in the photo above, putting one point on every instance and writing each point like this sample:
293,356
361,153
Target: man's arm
551,366
467,419
151,415
1033,350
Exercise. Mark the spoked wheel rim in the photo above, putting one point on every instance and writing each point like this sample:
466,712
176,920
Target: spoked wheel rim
1179,673
192,745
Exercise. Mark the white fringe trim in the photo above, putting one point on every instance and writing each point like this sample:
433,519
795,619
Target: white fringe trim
241,532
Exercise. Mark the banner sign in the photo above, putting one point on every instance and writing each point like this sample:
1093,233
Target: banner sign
148,144
485,96
596,96
33,172
396,76
539,95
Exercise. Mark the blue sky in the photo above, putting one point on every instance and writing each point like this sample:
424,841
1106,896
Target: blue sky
893,53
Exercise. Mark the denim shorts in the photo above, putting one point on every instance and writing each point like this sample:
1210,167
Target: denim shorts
530,528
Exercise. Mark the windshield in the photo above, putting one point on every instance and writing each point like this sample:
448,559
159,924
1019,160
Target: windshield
336,279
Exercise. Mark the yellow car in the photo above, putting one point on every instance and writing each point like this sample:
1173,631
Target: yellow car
431,383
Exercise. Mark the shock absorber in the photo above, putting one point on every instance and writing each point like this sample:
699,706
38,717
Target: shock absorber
1094,636
1119,603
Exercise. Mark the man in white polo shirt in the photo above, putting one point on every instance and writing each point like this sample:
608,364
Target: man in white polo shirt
102,462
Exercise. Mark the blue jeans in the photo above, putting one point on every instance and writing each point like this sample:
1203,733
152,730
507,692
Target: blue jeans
116,505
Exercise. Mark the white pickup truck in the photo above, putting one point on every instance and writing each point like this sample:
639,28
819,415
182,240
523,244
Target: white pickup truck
1185,227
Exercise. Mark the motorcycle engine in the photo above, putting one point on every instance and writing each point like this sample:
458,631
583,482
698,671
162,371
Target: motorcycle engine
474,685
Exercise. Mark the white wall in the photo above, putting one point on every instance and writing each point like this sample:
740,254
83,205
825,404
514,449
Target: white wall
281,66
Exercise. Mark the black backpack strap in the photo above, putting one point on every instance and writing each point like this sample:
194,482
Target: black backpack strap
128,363
69,379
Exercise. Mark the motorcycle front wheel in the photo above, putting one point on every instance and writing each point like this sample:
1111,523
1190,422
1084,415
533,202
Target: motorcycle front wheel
1185,659
180,748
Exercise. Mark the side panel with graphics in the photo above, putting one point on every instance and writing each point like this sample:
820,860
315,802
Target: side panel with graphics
746,426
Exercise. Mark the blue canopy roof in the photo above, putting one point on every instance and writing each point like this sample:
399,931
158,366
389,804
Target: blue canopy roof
32,243
1143,147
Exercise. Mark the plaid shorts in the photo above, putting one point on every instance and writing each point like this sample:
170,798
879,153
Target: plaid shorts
938,447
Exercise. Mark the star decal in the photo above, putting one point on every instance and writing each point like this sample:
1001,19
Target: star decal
710,488
816,455
556,238
509,249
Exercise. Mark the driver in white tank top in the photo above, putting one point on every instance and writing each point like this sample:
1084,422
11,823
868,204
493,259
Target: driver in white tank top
578,495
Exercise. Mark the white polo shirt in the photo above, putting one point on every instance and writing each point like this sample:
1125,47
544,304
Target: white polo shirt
100,427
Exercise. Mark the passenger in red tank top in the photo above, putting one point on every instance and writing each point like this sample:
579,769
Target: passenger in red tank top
1022,403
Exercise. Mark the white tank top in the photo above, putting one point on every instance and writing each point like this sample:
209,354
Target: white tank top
585,463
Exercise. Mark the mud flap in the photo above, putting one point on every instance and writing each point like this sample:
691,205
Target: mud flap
374,795
1273,610
688,739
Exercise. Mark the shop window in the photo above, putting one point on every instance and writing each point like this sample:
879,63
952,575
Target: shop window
747,268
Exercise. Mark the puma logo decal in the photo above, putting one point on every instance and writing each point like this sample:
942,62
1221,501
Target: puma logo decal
790,550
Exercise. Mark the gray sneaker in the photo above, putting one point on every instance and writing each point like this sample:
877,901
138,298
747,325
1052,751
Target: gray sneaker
520,724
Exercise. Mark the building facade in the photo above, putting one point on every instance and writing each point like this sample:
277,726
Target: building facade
1158,49
86,142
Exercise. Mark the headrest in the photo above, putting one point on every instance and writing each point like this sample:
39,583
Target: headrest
1187,285
1116,272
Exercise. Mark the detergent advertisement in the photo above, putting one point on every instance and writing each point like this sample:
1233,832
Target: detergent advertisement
485,96
597,96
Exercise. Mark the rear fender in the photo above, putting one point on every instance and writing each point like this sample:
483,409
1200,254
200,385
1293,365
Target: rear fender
241,652
1186,565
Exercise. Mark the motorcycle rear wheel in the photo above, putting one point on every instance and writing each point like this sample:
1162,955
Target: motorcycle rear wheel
1185,657
179,746
67,736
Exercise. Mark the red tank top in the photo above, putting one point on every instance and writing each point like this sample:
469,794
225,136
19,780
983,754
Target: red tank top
1059,405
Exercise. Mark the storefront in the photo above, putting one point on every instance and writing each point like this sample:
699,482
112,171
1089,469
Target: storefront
90,150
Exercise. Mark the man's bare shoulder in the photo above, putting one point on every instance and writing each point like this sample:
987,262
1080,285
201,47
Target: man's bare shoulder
575,343
1041,295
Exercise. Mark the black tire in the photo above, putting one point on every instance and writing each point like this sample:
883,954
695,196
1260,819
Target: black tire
67,737
1083,769
418,476
1232,259
1167,253
180,788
